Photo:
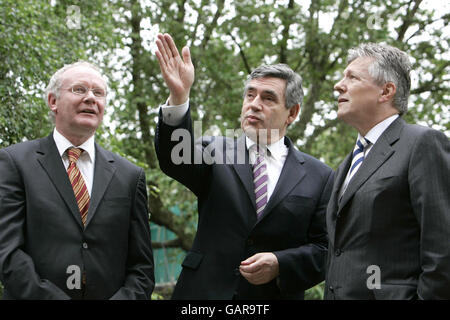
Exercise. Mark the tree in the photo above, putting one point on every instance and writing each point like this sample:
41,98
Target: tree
227,40
37,39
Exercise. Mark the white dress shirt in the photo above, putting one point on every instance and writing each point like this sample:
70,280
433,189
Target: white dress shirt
86,161
275,158
372,136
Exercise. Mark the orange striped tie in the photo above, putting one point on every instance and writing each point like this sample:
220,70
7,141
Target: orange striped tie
77,181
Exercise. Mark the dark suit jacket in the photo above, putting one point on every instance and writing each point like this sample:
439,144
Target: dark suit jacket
395,214
292,225
41,233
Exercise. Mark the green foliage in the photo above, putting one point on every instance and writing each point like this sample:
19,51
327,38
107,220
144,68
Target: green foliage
35,42
316,292
227,40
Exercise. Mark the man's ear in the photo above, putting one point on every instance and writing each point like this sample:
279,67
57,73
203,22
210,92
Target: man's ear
51,101
293,113
389,90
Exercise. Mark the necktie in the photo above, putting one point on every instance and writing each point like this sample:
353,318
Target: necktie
260,181
358,155
77,181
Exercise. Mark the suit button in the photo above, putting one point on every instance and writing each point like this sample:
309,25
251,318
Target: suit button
85,245
337,252
331,288
250,242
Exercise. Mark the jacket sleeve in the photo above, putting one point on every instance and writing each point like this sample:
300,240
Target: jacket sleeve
140,279
303,267
17,270
179,155
429,182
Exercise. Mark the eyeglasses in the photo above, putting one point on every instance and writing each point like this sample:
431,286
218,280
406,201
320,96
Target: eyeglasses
81,90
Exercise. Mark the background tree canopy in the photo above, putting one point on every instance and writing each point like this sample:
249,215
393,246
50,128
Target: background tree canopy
227,40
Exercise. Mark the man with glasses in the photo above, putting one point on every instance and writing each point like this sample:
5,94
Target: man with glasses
73,216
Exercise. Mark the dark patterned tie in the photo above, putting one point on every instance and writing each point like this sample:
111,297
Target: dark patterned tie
358,155
77,181
260,179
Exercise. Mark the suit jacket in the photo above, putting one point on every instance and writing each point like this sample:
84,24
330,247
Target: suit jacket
41,232
292,225
395,215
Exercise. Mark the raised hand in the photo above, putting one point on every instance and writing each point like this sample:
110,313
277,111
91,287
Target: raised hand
177,73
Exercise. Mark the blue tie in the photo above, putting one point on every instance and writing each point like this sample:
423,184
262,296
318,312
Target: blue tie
358,155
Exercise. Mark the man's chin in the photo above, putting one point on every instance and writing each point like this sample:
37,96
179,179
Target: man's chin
257,134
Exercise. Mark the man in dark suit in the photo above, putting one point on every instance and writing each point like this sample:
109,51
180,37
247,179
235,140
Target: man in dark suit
388,219
261,229
73,216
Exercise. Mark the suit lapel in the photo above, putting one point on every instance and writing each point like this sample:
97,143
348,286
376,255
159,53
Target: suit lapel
339,180
381,151
48,157
242,167
103,173
291,175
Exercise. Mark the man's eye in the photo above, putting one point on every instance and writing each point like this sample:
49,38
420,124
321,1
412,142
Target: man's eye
98,92
79,89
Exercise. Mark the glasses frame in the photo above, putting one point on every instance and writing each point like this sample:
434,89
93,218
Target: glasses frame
71,89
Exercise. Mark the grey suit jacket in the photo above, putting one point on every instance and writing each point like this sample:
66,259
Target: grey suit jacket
395,216
41,233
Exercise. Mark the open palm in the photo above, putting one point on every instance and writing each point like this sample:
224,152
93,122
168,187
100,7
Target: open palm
177,73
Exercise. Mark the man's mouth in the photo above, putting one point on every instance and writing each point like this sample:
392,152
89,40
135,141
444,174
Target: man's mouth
342,100
88,111
252,118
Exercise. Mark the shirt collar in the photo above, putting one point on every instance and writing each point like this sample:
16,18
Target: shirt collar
276,149
63,144
378,130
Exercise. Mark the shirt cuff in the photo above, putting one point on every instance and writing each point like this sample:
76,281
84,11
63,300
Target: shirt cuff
173,115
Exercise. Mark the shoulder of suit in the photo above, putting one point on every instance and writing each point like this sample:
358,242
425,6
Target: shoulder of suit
417,130
117,159
311,160
23,147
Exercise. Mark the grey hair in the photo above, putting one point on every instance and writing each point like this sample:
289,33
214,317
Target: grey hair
390,65
294,91
55,82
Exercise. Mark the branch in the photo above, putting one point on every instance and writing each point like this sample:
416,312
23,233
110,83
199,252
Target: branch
241,53
285,33
408,20
317,132
163,217
210,27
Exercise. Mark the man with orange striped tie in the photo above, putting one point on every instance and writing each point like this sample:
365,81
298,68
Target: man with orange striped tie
73,216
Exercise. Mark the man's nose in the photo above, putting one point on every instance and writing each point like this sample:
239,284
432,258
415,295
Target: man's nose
256,104
339,86
89,96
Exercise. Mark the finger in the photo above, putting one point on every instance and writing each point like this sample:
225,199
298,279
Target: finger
162,63
162,50
186,55
171,46
251,277
251,268
250,260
